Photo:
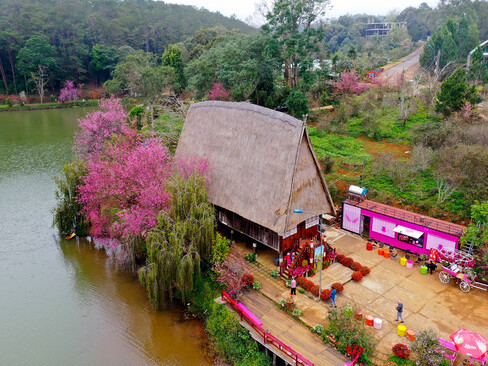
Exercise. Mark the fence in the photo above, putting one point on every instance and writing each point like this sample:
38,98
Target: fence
267,337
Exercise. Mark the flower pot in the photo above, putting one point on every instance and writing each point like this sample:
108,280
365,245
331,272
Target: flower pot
290,306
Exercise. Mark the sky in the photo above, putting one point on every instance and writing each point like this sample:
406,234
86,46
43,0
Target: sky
243,9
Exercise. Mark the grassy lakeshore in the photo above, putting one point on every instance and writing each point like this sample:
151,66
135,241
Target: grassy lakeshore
55,105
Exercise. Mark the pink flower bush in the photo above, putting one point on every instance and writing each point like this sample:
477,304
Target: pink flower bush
69,93
99,126
230,273
125,187
218,92
348,85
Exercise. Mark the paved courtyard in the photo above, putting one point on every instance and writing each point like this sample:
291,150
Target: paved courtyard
427,301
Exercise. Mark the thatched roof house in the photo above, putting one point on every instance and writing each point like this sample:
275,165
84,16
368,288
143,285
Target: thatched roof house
262,167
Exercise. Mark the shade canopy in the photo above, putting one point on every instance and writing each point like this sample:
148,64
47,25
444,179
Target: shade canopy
470,343
408,232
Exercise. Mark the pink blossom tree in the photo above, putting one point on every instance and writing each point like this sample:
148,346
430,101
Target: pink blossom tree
348,85
218,92
99,126
230,273
125,188
69,93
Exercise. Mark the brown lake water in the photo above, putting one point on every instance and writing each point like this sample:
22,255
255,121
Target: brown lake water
62,302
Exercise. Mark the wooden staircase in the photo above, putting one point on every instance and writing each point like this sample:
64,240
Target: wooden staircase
302,253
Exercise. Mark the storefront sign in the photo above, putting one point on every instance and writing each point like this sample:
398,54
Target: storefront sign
313,221
290,232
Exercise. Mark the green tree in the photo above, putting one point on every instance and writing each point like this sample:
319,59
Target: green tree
173,58
292,24
246,65
478,70
455,93
179,242
103,60
477,234
298,103
68,216
140,76
36,52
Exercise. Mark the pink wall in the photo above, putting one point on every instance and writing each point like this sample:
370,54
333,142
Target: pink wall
384,226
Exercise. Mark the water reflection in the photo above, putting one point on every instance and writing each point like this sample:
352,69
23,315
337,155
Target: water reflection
63,303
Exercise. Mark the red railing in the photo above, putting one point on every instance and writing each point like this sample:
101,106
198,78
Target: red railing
268,338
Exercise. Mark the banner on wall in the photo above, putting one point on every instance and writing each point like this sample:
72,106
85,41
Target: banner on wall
437,242
351,219
383,227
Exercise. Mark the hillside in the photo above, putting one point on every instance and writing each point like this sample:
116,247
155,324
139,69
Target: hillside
73,27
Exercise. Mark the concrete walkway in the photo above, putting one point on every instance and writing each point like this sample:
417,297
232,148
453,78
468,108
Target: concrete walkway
428,303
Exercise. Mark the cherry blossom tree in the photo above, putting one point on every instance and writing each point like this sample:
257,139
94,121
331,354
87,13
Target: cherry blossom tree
124,188
99,126
69,93
218,92
348,85
230,273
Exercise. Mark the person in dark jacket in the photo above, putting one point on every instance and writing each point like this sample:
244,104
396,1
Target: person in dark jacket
399,310
431,266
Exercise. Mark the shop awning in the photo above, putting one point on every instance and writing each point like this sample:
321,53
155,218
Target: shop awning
407,231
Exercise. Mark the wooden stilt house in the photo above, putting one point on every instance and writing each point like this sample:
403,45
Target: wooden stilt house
262,168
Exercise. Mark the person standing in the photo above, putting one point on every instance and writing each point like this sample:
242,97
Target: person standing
432,266
293,287
399,310
333,294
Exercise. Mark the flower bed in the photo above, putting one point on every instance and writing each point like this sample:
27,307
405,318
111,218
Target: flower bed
359,270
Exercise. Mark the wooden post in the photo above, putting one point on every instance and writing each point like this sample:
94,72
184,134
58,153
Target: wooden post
274,359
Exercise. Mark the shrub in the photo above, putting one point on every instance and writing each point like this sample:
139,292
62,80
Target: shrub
397,361
401,350
275,273
355,266
300,280
426,348
9,102
325,295
338,286
318,329
340,258
248,279
256,285
350,333
315,290
357,276
365,271
301,290
251,257
307,285
297,312
347,262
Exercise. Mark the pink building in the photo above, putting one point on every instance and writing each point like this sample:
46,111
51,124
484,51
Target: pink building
399,228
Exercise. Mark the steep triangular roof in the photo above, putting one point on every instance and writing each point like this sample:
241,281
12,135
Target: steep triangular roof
262,162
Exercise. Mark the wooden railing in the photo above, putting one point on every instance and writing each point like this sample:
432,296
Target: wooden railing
268,338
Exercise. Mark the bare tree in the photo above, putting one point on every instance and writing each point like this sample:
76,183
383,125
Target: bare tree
445,188
40,79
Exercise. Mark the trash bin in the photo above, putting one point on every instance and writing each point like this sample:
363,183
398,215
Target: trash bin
277,262
423,270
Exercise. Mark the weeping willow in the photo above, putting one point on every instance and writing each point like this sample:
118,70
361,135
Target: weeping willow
179,242
67,213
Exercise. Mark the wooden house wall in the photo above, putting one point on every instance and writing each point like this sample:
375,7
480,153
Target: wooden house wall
309,233
249,228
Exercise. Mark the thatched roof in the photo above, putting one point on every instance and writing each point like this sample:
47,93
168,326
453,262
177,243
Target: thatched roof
262,163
